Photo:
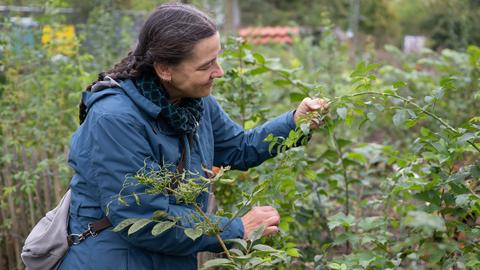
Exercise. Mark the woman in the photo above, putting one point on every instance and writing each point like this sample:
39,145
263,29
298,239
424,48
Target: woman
155,107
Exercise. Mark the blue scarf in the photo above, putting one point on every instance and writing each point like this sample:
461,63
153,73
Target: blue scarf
184,117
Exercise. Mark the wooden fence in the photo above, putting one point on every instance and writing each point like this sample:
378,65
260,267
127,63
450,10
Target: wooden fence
31,183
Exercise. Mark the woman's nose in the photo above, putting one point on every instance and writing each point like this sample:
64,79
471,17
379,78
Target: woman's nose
218,72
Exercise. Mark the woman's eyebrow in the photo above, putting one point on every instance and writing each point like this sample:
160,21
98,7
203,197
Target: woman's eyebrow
213,59
207,62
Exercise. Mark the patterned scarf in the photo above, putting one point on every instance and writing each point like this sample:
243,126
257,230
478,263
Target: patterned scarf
183,117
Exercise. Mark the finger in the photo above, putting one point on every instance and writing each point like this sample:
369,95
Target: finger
273,220
324,104
313,104
314,125
270,230
266,208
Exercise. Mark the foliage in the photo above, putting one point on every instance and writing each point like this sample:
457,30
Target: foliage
186,189
392,223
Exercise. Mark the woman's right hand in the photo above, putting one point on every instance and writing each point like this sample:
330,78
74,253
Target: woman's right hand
258,216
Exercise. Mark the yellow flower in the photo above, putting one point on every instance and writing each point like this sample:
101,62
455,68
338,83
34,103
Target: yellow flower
60,40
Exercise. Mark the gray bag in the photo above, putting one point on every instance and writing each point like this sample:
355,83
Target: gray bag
47,243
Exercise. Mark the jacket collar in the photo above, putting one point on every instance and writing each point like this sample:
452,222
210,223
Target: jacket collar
142,102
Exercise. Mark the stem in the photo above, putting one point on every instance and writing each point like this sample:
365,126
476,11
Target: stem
242,84
371,93
217,235
345,178
321,212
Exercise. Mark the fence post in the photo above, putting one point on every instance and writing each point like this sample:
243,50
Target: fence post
47,185
26,167
11,207
3,232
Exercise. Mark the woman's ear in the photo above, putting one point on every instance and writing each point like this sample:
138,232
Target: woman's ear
163,71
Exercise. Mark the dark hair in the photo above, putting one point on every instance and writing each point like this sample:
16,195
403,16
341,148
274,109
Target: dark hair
167,37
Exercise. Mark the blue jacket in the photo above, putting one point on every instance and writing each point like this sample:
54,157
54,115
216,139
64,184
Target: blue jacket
120,133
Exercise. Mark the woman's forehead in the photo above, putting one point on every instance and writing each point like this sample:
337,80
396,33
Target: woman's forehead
206,48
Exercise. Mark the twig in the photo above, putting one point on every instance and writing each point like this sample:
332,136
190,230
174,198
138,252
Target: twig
371,93
217,235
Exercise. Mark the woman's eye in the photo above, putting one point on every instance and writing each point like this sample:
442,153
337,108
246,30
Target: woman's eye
207,66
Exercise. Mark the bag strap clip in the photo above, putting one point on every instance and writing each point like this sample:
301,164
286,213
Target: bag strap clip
93,230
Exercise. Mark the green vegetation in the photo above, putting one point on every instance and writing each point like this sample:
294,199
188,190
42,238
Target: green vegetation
391,180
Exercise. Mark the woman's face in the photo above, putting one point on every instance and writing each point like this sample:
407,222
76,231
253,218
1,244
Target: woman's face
194,76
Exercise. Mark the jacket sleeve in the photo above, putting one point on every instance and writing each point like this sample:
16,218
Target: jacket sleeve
242,149
120,148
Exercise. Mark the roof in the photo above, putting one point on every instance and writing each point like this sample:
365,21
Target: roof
264,35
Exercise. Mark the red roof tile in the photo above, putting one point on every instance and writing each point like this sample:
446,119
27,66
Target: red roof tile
264,35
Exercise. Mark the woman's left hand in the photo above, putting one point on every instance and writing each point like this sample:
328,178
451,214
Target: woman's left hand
311,105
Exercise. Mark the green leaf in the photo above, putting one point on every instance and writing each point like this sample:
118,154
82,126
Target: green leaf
472,263
297,97
343,142
431,196
162,227
305,128
242,243
217,263
258,70
372,66
379,107
349,119
336,266
357,157
311,175
462,200
293,252
475,170
425,131
341,220
410,123
260,59
137,198
193,233
389,91
329,154
448,83
124,224
371,223
256,234
420,219
122,201
365,258
438,93
281,82
371,116
429,99
399,118
342,112
269,138
360,70
262,247
465,137
138,225
399,84
236,252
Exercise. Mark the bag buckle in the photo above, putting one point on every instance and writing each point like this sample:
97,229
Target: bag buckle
91,230
76,239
